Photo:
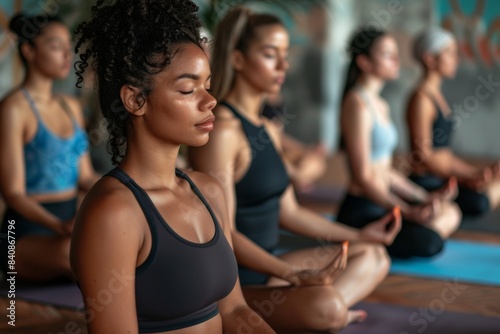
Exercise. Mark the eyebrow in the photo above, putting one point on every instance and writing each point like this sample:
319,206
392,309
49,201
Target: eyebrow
269,46
191,76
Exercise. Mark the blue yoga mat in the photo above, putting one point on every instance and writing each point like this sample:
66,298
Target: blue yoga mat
461,260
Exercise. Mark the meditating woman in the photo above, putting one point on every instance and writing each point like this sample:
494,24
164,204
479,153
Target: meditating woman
369,138
308,290
44,154
148,236
431,123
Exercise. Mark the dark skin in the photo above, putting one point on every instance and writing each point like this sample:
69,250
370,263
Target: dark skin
112,233
49,59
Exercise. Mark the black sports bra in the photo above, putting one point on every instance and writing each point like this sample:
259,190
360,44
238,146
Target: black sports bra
180,282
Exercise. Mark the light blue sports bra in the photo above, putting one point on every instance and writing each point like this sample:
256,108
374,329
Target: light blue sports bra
52,162
384,137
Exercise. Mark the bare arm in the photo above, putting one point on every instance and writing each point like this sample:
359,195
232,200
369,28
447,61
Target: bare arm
233,308
302,221
356,124
87,175
405,188
307,163
420,117
12,171
105,244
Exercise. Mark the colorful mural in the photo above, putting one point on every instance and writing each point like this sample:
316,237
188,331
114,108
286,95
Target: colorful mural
476,25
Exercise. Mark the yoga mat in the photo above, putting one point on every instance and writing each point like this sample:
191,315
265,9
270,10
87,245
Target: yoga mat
394,319
65,295
462,260
489,222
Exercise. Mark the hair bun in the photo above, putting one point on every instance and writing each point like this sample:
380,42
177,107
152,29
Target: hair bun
17,23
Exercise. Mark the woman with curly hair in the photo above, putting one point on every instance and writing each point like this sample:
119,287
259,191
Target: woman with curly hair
245,152
151,249
44,151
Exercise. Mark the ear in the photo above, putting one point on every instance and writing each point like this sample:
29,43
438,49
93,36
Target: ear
237,60
364,63
131,99
429,60
28,51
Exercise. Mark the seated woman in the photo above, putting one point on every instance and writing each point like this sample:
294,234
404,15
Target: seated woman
45,153
306,290
431,122
369,137
146,235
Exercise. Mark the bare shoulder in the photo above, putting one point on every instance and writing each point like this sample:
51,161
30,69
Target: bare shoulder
354,107
14,105
419,102
109,205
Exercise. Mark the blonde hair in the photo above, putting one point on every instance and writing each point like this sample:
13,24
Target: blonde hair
234,32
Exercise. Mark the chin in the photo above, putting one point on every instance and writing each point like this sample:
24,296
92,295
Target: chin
199,142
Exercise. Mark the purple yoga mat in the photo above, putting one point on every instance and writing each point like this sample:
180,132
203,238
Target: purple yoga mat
382,318
395,319
66,296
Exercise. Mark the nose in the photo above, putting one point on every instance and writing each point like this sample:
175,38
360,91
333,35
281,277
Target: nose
283,64
208,103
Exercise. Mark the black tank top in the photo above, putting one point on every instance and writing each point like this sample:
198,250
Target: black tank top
180,282
441,128
258,192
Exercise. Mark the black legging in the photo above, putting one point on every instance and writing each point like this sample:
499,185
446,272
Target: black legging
413,239
471,202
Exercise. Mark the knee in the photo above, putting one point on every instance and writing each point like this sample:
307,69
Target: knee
481,205
376,257
455,215
431,245
63,256
474,205
329,310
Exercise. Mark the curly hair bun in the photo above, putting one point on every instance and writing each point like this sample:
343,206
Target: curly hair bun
128,42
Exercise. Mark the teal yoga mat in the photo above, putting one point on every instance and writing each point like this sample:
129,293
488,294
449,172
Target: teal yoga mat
464,261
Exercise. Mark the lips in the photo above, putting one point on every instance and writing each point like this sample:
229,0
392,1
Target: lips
280,80
207,124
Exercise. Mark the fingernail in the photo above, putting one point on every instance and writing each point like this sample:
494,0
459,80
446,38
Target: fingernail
345,246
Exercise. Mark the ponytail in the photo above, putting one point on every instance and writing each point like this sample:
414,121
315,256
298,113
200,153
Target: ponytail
234,32
361,43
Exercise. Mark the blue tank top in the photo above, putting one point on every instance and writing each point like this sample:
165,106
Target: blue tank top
258,193
52,162
384,137
180,282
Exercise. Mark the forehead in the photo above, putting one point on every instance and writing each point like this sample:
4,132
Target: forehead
188,58
55,30
386,42
272,34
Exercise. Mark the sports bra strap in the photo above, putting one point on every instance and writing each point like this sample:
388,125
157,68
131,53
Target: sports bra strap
136,190
31,103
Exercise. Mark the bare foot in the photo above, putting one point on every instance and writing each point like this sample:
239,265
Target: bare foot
356,316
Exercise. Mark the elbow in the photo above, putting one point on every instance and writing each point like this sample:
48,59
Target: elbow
11,198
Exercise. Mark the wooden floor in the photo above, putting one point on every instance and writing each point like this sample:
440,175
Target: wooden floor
401,290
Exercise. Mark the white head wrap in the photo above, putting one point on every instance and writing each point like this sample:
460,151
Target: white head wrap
431,41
